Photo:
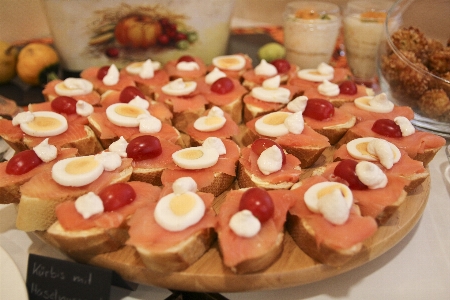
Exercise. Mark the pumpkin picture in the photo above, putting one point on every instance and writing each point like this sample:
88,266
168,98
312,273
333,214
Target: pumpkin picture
137,31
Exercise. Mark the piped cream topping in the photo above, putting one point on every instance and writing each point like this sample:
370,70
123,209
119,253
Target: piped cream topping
270,160
405,125
265,69
212,76
112,76
329,89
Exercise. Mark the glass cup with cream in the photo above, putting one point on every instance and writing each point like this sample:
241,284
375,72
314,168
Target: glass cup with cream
363,25
311,29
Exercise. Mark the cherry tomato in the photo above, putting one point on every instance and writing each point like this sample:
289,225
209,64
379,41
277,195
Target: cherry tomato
64,104
23,162
222,86
101,73
348,87
144,147
117,195
259,202
186,58
387,127
319,109
345,169
259,145
129,93
282,65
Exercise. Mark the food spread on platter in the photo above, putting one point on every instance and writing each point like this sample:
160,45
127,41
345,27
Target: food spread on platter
146,164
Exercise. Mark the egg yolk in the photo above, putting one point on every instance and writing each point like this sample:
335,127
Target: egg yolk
44,124
210,121
81,165
191,154
275,119
129,111
330,189
182,204
228,62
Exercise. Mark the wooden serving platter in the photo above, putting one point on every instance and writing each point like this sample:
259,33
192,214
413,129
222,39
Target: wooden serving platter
293,268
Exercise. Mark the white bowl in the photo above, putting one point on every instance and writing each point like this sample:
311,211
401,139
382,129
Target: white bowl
408,67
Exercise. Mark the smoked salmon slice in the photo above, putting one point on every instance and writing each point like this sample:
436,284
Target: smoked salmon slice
10,184
355,230
71,219
236,249
50,93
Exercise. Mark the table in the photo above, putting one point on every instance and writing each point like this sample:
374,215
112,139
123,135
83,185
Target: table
418,267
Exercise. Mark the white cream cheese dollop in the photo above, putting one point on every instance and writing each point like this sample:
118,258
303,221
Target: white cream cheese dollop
178,87
270,160
149,124
329,89
182,208
405,125
378,103
214,75
140,102
374,149
45,151
232,62
331,199
41,123
200,157
270,91
145,70
187,66
265,69
89,204
119,147
112,76
74,87
213,121
245,224
83,108
280,123
371,175
298,104
323,72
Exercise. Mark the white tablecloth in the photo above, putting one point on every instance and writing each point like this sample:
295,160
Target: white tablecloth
418,267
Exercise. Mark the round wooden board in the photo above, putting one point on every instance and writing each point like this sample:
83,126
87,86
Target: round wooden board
293,268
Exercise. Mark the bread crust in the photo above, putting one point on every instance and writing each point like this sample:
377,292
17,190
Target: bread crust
245,180
262,262
180,256
304,236
83,244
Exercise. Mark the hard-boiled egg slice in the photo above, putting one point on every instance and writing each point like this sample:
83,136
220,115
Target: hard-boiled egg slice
273,124
211,122
45,123
176,212
136,67
358,148
77,171
74,87
319,190
194,158
229,62
125,114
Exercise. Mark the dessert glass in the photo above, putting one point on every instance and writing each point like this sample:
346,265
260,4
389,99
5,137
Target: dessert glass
363,24
311,29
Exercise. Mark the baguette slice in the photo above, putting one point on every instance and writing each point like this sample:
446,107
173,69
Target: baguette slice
41,195
307,146
333,245
168,251
76,136
102,232
248,255
10,184
249,174
379,204
215,179
406,167
421,145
